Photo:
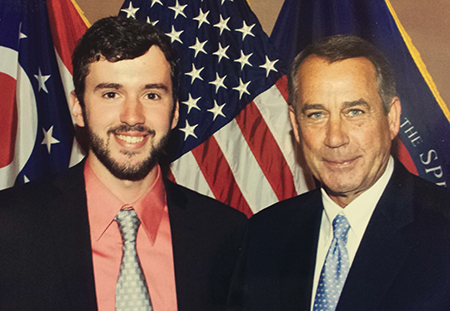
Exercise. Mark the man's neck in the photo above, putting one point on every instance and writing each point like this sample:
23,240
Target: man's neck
127,191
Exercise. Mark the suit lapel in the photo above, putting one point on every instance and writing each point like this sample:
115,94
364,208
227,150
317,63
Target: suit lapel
384,247
297,268
72,239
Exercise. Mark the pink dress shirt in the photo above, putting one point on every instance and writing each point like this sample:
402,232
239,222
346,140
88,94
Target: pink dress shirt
154,242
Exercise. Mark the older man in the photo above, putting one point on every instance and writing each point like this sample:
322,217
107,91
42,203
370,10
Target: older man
372,236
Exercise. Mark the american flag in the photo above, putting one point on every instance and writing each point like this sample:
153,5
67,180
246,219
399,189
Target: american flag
233,141
36,42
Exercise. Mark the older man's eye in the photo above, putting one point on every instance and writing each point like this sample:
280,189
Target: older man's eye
315,115
355,112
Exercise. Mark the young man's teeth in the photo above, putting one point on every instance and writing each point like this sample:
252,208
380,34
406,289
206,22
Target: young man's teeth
131,139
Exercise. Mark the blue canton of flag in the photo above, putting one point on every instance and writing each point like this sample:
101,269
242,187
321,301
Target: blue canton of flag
36,124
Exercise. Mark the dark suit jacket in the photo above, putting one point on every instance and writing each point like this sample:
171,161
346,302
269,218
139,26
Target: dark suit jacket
46,256
403,261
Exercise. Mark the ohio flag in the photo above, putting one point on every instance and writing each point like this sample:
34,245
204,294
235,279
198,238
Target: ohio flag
37,38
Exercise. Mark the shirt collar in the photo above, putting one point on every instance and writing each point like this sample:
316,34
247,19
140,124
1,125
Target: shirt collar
103,205
360,210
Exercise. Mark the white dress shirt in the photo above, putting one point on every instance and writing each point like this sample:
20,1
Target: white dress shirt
358,214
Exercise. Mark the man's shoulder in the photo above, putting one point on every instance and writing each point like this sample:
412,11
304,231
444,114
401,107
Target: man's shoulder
424,195
194,202
424,206
287,207
431,198
293,210
427,186
43,189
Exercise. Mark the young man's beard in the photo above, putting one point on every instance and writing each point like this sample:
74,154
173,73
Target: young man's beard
124,171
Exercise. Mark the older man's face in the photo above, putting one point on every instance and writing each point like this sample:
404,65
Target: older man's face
341,125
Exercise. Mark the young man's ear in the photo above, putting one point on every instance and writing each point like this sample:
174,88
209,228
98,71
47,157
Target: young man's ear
77,111
176,115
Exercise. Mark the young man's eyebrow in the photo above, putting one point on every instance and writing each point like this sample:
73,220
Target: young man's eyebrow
108,86
161,86
118,86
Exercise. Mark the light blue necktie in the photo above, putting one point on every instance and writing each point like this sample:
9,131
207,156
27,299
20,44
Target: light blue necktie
335,268
131,289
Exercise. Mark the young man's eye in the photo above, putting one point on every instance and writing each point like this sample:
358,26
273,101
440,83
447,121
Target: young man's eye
152,96
110,95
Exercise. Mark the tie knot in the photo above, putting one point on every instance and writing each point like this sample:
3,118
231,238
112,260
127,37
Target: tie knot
340,227
128,222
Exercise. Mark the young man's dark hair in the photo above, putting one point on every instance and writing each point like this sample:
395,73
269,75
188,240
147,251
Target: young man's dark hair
117,38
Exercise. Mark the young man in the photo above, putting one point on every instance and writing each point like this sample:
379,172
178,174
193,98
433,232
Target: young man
372,236
112,233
